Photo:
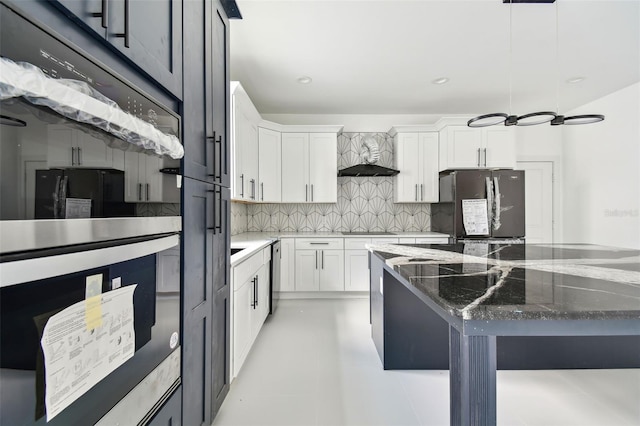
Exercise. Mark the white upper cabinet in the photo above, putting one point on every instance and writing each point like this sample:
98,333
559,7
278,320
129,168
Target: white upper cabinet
416,156
295,166
75,148
323,167
463,147
309,167
244,146
270,165
143,181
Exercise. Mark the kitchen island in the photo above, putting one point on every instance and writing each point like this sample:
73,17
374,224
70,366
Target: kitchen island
472,308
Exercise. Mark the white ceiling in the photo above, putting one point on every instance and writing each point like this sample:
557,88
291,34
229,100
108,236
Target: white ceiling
380,56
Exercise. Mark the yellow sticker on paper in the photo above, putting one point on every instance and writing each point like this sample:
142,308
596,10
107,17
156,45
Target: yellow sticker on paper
93,301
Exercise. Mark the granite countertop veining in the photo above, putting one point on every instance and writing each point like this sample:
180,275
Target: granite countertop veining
504,282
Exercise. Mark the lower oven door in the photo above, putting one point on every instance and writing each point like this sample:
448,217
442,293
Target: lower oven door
81,329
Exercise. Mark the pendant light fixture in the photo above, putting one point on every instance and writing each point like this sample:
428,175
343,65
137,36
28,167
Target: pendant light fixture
533,118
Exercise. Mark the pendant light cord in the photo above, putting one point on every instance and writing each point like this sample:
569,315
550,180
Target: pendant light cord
510,57
557,62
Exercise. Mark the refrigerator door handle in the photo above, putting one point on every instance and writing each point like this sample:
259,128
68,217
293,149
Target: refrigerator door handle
496,203
490,202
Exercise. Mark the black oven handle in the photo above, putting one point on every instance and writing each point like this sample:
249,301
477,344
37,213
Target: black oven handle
67,260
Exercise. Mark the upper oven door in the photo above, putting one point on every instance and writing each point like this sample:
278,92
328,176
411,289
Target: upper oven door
77,142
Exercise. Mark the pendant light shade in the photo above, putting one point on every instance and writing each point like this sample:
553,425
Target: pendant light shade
583,119
488,120
535,118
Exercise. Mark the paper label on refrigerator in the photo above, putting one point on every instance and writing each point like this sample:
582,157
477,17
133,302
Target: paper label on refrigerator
76,358
475,217
77,208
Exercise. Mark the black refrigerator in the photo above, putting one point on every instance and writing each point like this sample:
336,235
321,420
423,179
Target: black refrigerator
465,194
80,193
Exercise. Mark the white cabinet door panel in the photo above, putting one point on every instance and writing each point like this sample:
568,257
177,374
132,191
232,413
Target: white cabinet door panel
307,270
500,148
323,167
331,263
428,157
408,162
295,166
287,264
356,270
270,165
463,147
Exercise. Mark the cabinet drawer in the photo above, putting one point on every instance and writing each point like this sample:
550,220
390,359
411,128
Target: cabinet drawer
247,269
319,243
384,241
356,243
432,240
406,240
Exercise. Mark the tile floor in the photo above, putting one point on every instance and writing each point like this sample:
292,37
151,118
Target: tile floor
314,363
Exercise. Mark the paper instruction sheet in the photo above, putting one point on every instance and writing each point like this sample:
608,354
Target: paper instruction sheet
77,356
475,217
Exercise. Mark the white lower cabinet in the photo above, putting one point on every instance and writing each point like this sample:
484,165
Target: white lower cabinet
319,270
356,270
319,264
250,303
333,264
287,264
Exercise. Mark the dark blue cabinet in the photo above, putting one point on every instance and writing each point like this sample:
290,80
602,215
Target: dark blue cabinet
147,32
206,211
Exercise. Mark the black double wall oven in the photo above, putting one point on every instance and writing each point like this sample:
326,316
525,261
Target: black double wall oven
90,228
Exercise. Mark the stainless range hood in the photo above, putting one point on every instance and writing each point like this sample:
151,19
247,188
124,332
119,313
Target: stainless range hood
367,170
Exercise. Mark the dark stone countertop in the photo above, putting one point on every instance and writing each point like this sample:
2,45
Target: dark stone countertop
478,281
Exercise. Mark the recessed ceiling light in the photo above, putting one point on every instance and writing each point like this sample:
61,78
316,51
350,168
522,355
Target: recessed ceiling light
575,80
304,80
441,80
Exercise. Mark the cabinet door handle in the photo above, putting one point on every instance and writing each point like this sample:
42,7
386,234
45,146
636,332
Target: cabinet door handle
416,192
316,259
126,34
261,191
421,192
253,189
217,174
256,292
306,192
479,164
319,244
217,210
322,259
73,156
147,192
139,192
311,192
253,296
485,157
242,185
103,14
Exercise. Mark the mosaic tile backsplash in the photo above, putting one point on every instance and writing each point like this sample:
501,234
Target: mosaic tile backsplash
239,218
364,203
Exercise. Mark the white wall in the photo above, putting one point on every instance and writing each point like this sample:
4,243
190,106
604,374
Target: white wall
601,165
544,143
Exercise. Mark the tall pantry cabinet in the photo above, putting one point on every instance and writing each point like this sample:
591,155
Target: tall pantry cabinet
206,211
